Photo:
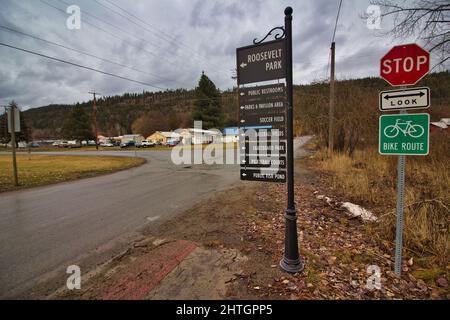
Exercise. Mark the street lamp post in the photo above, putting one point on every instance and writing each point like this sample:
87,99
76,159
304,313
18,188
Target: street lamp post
291,261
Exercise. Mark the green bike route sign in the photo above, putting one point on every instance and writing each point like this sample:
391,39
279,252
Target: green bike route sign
404,134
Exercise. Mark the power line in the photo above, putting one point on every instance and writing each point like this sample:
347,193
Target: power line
334,36
160,32
80,66
337,19
123,30
109,33
83,52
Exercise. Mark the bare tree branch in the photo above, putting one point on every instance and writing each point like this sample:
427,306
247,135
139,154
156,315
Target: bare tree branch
427,20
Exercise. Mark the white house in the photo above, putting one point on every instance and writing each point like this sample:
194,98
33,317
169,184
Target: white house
132,137
199,136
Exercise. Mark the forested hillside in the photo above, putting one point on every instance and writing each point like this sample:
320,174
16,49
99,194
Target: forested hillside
356,110
125,114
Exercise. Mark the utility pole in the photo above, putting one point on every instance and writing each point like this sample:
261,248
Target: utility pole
94,114
332,101
12,112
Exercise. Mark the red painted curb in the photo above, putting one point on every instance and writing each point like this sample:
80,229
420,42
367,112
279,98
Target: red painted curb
148,271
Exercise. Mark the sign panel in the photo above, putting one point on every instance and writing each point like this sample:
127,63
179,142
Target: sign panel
16,120
404,134
264,119
256,134
262,92
261,62
405,65
269,105
415,98
263,175
265,148
263,162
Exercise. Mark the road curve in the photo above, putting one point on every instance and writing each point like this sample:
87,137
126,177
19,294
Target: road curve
49,228
46,229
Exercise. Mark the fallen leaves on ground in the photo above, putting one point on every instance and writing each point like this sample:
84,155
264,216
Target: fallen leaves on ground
335,249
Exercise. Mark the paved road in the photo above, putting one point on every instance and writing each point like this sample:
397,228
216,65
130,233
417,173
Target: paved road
46,229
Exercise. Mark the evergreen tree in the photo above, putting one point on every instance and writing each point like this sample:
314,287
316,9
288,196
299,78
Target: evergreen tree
78,125
4,135
207,106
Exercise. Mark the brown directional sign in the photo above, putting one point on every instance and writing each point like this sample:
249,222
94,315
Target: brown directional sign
261,62
264,119
252,161
261,93
269,105
265,148
263,175
256,134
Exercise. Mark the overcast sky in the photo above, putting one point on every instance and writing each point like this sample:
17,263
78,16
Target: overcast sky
179,40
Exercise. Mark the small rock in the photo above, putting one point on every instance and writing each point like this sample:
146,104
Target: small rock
309,285
390,294
410,262
331,260
421,285
442,282
285,281
257,288
292,287
273,266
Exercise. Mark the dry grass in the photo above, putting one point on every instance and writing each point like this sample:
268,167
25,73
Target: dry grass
42,170
369,179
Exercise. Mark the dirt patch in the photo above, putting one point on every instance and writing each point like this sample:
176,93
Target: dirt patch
204,275
239,234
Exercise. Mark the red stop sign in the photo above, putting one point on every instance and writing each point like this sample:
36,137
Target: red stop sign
405,65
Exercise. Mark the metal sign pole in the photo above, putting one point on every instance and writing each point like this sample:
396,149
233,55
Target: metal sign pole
291,260
13,143
400,200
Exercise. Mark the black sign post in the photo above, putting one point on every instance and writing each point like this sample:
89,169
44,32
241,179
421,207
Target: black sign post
291,261
264,157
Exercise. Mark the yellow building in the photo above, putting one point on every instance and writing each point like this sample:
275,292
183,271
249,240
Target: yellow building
162,137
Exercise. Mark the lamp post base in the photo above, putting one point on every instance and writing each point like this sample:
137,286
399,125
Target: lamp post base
291,266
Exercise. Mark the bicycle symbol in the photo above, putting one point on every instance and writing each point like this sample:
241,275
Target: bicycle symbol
413,130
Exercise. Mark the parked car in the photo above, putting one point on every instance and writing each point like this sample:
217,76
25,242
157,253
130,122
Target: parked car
73,144
34,145
172,143
147,144
63,144
106,144
127,144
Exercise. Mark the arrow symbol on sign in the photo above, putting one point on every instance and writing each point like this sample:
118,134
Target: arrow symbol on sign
243,65
244,174
420,94
242,94
242,107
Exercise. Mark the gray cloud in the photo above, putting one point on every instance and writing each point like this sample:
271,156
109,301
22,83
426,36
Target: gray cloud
182,38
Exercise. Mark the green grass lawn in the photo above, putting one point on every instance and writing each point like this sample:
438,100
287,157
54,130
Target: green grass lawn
92,148
43,170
